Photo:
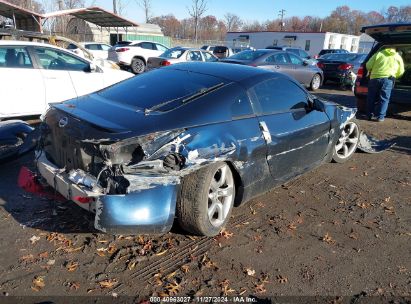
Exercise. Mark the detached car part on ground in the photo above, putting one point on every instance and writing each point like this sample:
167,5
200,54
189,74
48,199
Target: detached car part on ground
16,138
213,136
395,35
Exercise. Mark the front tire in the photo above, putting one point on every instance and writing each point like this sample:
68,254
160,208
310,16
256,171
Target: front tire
347,143
137,66
315,82
206,200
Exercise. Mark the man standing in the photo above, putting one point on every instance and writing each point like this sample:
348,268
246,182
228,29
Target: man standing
384,66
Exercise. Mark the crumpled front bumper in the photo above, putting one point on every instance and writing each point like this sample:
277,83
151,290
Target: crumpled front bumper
149,210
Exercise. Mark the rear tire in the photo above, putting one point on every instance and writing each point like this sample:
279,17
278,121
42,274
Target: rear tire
137,66
206,200
315,82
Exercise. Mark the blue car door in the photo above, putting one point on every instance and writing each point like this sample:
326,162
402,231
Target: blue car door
297,136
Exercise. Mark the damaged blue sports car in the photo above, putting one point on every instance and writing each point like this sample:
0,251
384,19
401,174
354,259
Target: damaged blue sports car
187,142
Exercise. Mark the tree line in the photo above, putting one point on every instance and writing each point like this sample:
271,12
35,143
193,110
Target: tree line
200,25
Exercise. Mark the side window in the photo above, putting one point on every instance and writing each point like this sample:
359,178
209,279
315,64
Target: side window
146,45
160,47
241,106
14,57
93,47
295,60
304,54
194,56
208,57
105,47
280,58
51,59
294,51
280,95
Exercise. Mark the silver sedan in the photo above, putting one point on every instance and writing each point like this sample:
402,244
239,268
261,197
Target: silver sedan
180,54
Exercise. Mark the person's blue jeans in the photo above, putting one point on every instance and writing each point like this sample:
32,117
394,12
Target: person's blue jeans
379,92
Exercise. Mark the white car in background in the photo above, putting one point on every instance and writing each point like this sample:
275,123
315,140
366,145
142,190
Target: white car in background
97,49
135,54
33,75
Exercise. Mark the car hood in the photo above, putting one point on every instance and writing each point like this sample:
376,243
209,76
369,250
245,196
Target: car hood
392,33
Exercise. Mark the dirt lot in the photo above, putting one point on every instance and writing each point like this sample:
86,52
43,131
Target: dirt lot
340,230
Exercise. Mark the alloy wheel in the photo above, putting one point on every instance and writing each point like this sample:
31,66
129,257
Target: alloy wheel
220,196
347,143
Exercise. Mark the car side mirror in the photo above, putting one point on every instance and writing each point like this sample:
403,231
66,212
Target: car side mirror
92,67
305,62
308,57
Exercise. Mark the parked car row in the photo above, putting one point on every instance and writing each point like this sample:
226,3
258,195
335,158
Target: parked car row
43,74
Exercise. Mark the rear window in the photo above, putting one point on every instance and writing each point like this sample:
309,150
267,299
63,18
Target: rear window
248,55
161,86
220,49
173,53
123,43
344,57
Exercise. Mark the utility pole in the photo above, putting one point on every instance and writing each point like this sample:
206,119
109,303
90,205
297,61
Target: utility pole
281,15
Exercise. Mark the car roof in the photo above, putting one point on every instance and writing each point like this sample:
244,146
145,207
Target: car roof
29,43
19,42
227,71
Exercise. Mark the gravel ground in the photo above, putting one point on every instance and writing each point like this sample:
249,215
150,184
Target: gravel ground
339,230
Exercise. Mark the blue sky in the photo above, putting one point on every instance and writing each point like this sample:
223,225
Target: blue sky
250,10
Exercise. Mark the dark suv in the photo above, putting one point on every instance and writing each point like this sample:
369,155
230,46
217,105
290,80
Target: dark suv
397,35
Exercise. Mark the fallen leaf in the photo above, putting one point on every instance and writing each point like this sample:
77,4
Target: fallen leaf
226,234
27,258
108,284
328,239
101,251
74,285
173,288
260,288
38,283
44,254
71,266
225,287
162,252
281,279
51,262
387,199
34,239
185,268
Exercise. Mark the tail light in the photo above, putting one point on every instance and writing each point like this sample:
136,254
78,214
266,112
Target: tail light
165,63
122,50
360,72
83,199
345,66
321,65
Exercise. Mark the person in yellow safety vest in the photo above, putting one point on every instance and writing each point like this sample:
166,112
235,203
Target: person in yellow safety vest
384,66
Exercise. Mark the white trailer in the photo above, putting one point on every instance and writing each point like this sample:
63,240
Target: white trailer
312,42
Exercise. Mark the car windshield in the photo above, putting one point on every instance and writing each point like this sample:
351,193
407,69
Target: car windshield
161,89
248,55
344,57
173,53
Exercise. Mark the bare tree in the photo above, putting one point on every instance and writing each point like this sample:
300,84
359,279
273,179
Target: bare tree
146,6
232,22
197,10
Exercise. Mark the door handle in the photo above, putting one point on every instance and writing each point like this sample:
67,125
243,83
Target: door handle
277,66
265,131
